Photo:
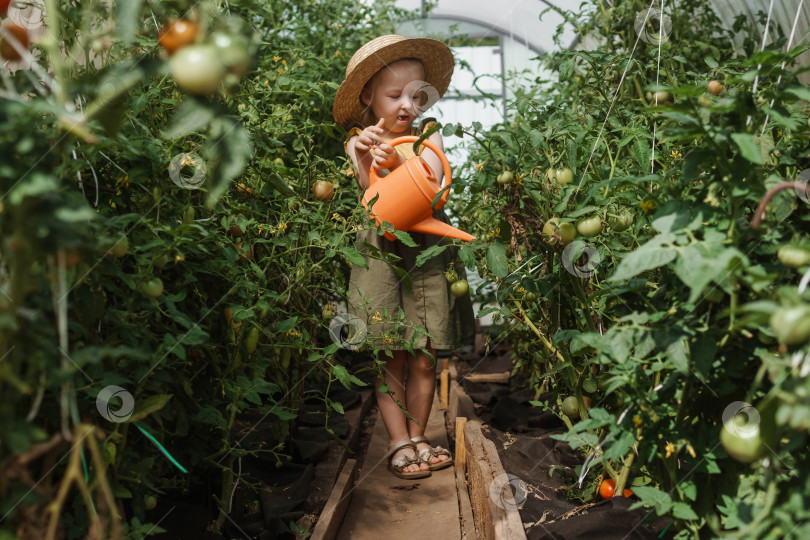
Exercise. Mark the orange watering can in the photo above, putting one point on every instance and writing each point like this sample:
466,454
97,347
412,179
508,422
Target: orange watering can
405,196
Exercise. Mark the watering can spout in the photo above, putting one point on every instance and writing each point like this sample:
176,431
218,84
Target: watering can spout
439,228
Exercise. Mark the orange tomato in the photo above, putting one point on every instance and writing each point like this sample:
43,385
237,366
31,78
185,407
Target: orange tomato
177,34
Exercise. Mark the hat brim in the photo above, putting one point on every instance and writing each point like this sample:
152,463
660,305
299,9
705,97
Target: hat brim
435,55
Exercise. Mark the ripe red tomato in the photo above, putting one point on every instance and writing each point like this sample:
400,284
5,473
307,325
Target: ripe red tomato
11,31
177,34
197,69
608,487
4,6
323,190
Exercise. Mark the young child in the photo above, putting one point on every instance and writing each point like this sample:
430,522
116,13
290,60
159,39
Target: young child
379,101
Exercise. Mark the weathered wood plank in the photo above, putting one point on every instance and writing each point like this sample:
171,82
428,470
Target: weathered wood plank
494,510
328,524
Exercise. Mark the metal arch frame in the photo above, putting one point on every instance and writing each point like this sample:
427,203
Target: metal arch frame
496,29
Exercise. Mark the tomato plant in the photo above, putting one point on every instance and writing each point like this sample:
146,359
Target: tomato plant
133,181
682,305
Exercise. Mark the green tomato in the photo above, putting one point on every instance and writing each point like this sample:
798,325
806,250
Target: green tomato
619,223
505,177
459,288
570,407
564,176
149,502
120,248
590,384
152,288
791,325
745,441
562,232
197,69
567,233
233,52
590,226
793,256
451,275
188,215
252,340
160,260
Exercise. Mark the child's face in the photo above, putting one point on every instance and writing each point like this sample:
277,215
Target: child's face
388,101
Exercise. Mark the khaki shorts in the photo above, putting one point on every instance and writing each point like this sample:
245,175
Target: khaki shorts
424,298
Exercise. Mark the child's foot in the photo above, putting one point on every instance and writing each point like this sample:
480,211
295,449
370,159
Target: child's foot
436,457
413,467
420,447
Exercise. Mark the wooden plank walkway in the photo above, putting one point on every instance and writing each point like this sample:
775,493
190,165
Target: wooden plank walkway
386,507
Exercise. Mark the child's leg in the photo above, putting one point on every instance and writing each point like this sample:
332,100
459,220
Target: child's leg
419,393
392,415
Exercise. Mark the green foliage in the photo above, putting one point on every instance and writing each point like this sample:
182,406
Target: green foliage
672,314
87,164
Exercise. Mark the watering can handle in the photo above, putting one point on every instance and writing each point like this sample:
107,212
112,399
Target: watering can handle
373,177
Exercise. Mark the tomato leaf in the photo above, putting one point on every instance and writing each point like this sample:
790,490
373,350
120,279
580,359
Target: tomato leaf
405,238
654,254
654,497
749,149
192,116
354,256
681,510
800,92
429,253
496,259
145,407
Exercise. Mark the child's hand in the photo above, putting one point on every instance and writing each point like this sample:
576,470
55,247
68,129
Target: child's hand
385,157
369,137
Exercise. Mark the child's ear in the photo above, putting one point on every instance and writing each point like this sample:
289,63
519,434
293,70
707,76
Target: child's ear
365,96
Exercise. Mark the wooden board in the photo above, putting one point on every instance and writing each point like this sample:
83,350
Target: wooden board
460,404
336,505
496,516
502,378
465,512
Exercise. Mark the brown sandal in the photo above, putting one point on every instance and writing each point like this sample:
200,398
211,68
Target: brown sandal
397,464
433,451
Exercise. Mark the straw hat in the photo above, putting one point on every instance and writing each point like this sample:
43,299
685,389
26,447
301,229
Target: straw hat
377,53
